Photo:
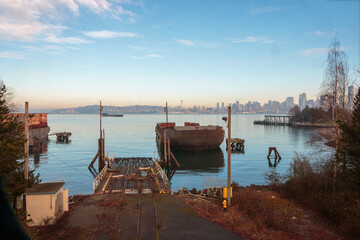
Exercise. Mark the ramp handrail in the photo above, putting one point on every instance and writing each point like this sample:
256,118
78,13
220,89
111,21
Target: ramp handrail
162,174
102,173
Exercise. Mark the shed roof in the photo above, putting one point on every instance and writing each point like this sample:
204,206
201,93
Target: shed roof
45,188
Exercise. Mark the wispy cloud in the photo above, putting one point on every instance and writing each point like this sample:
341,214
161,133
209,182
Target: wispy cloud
251,39
192,43
325,34
11,55
147,56
185,42
153,56
268,9
32,48
110,34
138,48
313,52
25,20
52,38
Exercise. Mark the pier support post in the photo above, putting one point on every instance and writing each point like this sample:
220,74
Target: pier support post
26,123
229,158
165,148
100,160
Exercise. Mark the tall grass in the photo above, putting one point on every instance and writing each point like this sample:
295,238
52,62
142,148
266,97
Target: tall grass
311,184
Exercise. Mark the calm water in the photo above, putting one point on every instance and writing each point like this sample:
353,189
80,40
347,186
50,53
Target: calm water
134,136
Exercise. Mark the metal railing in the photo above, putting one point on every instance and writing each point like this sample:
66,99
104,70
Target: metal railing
102,173
162,174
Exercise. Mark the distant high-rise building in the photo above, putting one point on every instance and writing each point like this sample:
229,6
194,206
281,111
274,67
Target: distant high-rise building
289,102
351,97
241,107
302,101
310,103
217,107
324,102
237,106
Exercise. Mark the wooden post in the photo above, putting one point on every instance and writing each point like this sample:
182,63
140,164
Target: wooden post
100,120
94,159
26,122
103,145
166,109
229,158
168,146
165,150
100,154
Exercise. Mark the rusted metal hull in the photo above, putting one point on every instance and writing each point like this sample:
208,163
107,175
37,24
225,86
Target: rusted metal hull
38,126
190,136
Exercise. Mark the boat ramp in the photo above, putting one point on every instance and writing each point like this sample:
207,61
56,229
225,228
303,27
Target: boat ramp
131,176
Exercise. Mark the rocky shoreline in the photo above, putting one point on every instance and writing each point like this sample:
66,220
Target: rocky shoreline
329,135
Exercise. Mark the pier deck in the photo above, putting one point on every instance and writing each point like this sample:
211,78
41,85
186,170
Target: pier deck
279,120
131,175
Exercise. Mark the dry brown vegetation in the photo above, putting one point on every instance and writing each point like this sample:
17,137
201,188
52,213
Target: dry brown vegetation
263,214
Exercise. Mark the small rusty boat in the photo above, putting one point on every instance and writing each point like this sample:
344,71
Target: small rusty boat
191,136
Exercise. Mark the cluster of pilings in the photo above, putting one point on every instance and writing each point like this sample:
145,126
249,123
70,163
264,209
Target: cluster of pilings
100,153
166,163
236,145
63,136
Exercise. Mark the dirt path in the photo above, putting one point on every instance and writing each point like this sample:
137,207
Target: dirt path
149,216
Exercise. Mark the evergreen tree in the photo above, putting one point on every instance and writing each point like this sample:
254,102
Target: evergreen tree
349,150
12,150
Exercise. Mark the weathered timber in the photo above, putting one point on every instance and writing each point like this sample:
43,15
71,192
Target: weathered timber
237,144
277,154
62,136
278,120
135,173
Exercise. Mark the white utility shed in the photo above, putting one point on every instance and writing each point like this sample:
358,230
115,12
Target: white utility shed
46,202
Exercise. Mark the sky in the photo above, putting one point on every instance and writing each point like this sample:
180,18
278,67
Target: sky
70,53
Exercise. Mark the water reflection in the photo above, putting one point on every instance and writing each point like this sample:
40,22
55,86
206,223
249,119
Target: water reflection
38,149
275,163
210,161
93,171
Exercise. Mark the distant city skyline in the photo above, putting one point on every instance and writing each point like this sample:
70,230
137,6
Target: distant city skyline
271,106
58,54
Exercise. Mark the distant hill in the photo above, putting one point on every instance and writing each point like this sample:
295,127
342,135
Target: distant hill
94,109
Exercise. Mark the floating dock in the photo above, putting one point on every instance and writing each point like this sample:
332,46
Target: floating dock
131,176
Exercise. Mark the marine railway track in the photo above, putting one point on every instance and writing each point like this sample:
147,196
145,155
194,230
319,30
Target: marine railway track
139,220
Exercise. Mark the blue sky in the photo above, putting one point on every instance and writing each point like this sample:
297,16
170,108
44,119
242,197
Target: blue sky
69,53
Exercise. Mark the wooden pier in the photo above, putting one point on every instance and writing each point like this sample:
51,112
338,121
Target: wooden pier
278,120
62,136
131,176
237,145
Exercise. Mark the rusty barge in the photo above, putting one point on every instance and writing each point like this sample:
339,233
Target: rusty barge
38,127
191,136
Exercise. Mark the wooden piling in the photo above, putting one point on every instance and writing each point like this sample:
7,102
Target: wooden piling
229,158
165,148
168,145
277,154
94,159
26,123
100,154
